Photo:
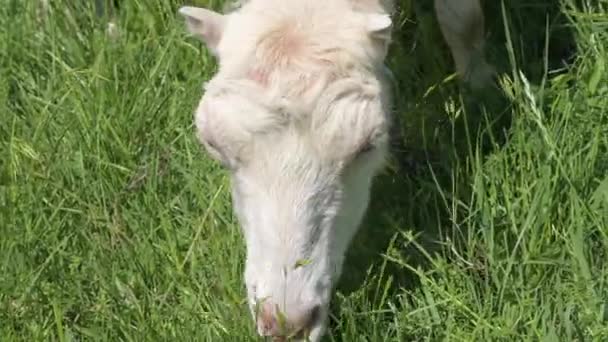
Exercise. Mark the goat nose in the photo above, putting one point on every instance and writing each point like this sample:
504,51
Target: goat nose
272,322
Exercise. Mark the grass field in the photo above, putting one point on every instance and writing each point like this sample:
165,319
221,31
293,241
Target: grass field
114,225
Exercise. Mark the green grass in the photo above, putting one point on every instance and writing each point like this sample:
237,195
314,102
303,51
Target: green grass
114,225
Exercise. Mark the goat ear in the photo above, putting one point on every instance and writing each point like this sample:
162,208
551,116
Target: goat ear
206,25
379,26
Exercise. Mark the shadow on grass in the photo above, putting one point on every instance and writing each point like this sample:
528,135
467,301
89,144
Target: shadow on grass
435,166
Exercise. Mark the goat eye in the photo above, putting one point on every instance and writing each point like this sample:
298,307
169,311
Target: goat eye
217,154
362,152
366,148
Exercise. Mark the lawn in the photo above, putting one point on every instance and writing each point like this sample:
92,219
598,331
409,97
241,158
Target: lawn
115,225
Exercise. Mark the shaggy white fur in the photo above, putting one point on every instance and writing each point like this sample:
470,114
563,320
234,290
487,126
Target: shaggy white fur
299,112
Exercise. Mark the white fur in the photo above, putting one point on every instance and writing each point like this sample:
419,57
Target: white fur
299,114
463,27
298,96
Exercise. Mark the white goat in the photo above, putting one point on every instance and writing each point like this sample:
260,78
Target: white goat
299,113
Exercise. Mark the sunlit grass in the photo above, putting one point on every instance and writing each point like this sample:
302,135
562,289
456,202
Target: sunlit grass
114,225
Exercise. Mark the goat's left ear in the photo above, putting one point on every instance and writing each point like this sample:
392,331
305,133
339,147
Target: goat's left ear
206,25
379,26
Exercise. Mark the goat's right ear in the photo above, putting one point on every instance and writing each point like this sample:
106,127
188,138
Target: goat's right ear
206,25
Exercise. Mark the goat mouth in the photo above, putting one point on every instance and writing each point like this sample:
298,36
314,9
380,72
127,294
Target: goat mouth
299,336
302,334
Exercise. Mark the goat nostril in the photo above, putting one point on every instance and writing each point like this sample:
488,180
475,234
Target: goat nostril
314,316
308,322
267,322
